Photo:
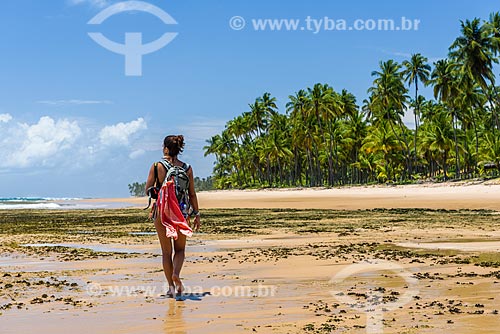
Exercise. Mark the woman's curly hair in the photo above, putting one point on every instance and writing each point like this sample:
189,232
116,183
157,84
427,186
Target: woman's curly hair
175,144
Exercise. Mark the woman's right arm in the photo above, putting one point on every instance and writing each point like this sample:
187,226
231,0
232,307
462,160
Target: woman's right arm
151,178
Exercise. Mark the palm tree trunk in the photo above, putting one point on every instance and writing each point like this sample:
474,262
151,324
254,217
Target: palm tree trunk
311,168
409,159
280,172
445,165
477,143
416,114
387,169
317,174
400,142
296,166
238,180
268,168
242,162
457,158
494,106
244,173
330,158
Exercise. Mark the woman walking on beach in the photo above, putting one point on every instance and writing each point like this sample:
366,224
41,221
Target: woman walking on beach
172,218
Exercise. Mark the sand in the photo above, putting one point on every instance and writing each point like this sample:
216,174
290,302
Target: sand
281,280
452,196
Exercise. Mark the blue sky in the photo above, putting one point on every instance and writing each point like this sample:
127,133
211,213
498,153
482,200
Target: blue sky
72,124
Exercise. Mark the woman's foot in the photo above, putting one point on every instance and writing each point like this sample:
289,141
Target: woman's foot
171,292
178,284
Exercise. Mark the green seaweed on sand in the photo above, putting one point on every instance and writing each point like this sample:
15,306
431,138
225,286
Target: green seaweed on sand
487,260
117,223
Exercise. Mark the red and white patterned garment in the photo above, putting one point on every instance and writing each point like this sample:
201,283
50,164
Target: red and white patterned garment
170,212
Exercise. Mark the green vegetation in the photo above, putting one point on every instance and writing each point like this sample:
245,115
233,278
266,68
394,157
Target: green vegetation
203,184
325,138
137,189
200,184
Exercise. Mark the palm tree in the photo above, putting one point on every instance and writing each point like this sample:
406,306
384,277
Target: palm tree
278,143
446,87
309,140
474,51
261,111
324,137
347,104
320,105
493,27
471,101
356,128
218,145
238,128
416,69
490,150
257,119
435,138
388,91
269,104
213,146
381,140
388,98
297,110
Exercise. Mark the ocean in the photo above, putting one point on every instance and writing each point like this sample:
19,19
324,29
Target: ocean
9,203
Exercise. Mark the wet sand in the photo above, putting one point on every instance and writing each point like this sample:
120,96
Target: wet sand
268,271
283,288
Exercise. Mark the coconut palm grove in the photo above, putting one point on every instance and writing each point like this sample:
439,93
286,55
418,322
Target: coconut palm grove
326,137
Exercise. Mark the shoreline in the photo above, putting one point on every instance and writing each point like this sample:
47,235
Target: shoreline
449,196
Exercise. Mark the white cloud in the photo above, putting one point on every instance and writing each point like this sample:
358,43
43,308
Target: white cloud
396,53
202,129
64,144
430,60
73,102
137,154
409,118
120,133
5,118
38,144
197,132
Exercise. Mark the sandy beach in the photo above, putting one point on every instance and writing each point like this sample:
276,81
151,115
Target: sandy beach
263,264
348,152
451,196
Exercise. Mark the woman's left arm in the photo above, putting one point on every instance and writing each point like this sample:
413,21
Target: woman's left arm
193,199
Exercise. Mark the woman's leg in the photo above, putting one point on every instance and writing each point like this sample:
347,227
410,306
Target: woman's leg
166,252
179,255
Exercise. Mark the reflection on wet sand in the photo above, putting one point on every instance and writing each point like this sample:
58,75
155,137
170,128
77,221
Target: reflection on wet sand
174,319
